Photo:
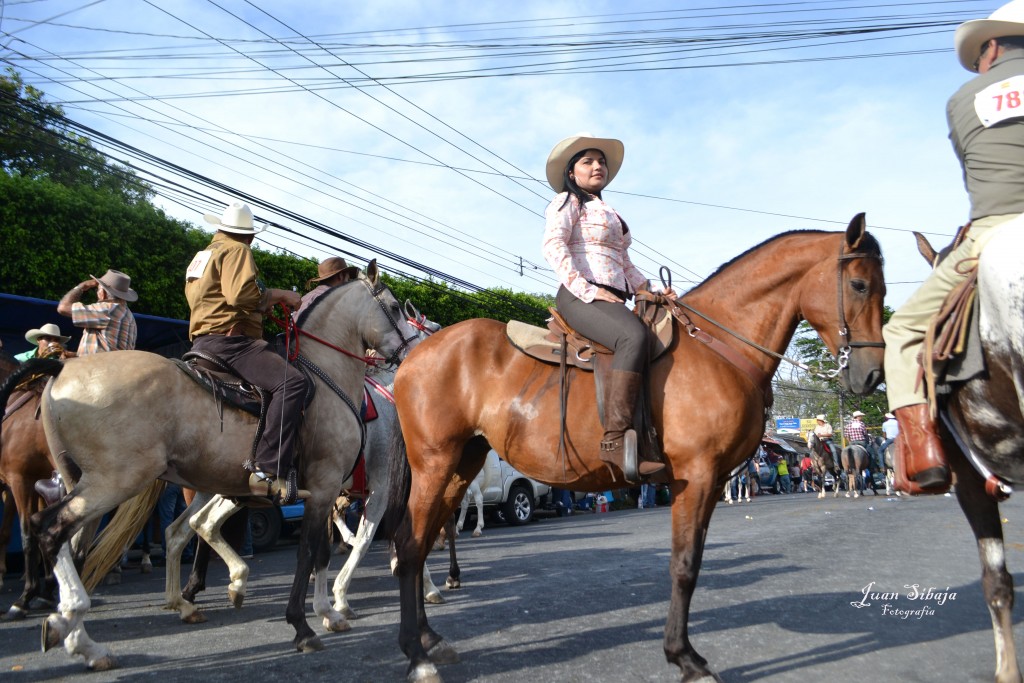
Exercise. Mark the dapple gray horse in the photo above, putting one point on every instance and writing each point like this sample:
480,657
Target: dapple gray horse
118,421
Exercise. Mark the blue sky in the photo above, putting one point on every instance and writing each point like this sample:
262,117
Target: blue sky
720,155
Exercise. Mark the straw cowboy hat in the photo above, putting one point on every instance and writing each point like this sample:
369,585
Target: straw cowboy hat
47,330
819,417
117,284
237,218
857,413
1008,20
330,267
564,150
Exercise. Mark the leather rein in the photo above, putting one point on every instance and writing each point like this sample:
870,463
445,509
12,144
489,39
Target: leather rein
760,378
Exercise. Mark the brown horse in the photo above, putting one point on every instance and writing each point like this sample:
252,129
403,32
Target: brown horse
982,427
466,389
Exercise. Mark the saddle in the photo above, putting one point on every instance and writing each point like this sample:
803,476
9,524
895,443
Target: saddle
561,345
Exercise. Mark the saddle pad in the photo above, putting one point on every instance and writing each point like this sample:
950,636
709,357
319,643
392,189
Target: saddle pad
534,341
369,409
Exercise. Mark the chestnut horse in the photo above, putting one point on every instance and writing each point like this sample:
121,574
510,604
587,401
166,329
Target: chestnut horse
467,389
118,421
982,426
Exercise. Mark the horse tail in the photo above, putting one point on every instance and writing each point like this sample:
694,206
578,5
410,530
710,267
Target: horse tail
399,482
123,528
35,366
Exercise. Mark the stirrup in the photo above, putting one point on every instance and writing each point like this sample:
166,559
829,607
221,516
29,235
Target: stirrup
281,490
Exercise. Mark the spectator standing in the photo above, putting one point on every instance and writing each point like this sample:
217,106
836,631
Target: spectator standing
785,483
807,474
108,324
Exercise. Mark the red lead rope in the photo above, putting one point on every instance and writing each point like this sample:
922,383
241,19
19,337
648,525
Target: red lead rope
292,333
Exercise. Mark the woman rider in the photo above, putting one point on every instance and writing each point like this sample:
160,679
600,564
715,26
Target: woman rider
587,242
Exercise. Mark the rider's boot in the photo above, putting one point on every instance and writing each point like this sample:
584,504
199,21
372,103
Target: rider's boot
619,444
921,465
281,490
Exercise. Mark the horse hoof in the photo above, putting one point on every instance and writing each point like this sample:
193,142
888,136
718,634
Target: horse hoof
112,579
452,584
347,612
15,613
424,673
236,598
310,644
104,663
434,598
53,631
443,653
196,617
337,625
477,533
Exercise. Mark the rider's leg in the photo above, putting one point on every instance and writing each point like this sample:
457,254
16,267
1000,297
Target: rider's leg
615,326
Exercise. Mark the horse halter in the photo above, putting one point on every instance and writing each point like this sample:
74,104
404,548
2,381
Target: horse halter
843,352
376,291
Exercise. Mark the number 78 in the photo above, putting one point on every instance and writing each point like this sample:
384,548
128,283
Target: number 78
1012,100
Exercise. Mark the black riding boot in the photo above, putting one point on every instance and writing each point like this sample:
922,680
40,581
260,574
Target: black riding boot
619,445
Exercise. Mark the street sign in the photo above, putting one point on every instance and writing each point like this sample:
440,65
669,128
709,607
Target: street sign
787,423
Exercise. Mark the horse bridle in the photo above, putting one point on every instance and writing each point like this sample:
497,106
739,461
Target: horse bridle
843,352
376,291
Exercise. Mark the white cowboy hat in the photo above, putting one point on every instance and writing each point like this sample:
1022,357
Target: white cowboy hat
613,150
890,416
47,330
857,413
820,417
1008,20
237,218
117,284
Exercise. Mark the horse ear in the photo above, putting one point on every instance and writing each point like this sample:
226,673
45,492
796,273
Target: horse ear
372,274
855,231
410,310
925,248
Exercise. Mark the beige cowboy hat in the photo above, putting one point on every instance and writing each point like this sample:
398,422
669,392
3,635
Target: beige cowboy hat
237,219
330,267
1008,20
47,330
613,150
117,284
857,413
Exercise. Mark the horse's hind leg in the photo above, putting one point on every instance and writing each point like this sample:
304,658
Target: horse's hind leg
454,573
6,525
996,582
53,526
176,537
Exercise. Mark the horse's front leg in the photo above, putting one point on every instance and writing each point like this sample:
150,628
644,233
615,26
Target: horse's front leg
996,582
313,555
372,515
6,526
692,504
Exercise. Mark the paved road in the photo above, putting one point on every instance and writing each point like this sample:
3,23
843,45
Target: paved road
585,598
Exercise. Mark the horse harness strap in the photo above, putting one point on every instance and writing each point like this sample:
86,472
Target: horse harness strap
758,377
326,379
13,408
844,329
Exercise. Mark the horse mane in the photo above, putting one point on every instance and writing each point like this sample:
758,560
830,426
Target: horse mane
319,300
868,245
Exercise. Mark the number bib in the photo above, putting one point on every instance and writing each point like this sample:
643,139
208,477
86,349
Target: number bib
1000,101
196,269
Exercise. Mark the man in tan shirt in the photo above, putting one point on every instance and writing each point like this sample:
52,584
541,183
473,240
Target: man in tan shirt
227,302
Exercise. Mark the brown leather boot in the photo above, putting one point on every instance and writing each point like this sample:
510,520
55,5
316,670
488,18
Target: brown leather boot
618,447
921,465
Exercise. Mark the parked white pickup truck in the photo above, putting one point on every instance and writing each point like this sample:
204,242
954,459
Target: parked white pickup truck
508,492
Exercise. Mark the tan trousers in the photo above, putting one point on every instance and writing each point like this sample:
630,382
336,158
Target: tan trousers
905,332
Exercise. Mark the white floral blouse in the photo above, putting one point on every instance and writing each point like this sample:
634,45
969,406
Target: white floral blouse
588,246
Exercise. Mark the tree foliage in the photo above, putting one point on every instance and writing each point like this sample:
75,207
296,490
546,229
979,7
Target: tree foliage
37,143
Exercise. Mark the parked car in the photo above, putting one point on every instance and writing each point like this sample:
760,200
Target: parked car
270,524
508,493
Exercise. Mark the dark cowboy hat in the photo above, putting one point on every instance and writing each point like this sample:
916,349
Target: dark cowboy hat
117,285
330,267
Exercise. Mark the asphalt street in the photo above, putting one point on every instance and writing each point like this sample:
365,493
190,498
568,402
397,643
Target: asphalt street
584,598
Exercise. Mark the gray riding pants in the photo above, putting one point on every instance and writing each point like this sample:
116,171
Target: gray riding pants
609,324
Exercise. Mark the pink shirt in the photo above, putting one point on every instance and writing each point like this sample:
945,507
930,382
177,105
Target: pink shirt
588,245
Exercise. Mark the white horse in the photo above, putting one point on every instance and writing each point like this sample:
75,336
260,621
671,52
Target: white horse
118,421
477,496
